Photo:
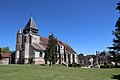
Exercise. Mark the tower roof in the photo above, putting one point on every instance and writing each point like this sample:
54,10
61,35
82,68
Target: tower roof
30,24
19,31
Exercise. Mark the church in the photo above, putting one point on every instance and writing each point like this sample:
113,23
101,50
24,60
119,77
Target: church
30,47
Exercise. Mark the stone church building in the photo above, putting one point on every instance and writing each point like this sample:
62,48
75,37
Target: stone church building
30,47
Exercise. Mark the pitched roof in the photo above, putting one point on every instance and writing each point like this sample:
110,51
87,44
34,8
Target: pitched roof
19,31
30,24
60,42
5,54
68,48
39,46
44,41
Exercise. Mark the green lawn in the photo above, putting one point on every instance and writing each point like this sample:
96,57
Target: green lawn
38,72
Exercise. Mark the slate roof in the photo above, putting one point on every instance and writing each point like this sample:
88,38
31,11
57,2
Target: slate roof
44,42
19,31
39,46
68,48
31,24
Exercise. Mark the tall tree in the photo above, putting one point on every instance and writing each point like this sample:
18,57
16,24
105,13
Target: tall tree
0,50
116,41
51,50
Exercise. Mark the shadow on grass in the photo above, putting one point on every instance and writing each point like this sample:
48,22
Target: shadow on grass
117,77
44,64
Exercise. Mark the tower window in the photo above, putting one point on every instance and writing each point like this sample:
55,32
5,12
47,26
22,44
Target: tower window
25,39
40,54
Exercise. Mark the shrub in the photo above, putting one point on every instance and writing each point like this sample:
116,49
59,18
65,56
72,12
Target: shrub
74,65
117,66
78,65
106,66
102,66
70,65
111,66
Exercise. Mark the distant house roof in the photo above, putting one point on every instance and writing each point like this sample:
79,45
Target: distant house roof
5,55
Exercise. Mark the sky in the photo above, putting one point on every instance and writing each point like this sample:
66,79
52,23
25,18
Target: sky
86,25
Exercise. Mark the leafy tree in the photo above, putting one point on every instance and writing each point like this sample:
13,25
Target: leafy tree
0,50
116,41
51,50
80,56
5,50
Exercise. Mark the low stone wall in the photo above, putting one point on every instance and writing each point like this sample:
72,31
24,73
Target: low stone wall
4,62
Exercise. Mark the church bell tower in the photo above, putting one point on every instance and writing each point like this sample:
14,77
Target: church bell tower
30,32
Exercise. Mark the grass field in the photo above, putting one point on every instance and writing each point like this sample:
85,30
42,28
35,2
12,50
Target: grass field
38,72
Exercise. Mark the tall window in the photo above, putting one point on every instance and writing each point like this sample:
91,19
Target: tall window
25,39
69,58
64,57
40,54
73,56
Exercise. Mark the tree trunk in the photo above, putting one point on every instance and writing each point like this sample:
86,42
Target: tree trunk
50,63
45,61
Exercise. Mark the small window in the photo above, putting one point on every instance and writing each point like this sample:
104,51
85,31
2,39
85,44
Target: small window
40,54
25,39
34,38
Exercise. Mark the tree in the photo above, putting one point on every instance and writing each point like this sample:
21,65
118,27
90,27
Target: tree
80,56
5,50
51,50
0,50
116,41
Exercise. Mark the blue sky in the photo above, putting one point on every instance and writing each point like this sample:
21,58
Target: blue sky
85,25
